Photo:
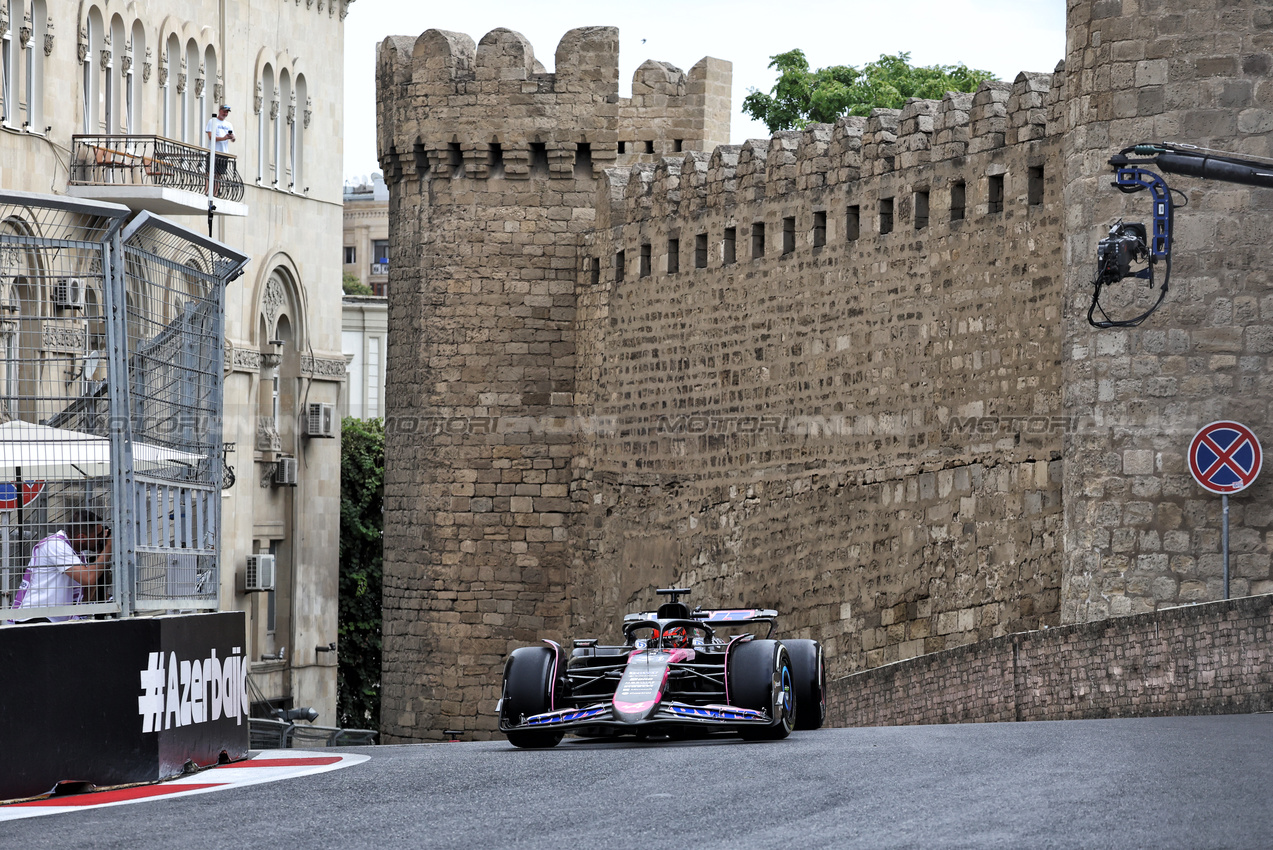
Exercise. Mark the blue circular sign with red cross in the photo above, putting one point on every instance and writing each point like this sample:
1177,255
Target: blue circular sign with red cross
1225,457
9,493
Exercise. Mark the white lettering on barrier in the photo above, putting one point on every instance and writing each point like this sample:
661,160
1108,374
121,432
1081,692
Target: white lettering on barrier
196,691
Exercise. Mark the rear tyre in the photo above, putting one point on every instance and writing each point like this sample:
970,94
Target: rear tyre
760,678
528,680
810,680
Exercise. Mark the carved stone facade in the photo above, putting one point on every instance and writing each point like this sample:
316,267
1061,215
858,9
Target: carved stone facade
290,287
848,368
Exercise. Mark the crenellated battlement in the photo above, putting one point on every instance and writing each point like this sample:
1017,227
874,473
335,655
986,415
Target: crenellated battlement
509,116
922,135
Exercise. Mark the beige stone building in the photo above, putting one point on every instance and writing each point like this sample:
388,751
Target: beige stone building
366,229
108,100
364,335
365,318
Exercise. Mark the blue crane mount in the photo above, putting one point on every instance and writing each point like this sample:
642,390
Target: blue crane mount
1131,250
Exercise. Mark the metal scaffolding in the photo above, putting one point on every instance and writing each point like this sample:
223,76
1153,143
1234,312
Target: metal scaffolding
111,406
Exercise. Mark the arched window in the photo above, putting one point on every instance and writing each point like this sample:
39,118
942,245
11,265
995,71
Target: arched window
95,32
191,126
282,172
32,36
133,79
168,87
21,72
206,107
113,67
299,124
263,103
21,328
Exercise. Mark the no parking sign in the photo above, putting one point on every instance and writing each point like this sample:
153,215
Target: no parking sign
9,494
1225,457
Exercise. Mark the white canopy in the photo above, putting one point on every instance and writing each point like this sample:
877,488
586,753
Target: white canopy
43,453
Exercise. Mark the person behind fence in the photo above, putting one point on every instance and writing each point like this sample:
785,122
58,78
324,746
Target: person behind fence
67,567
220,133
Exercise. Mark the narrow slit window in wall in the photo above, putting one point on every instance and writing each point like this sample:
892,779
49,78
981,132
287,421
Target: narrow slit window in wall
758,240
538,158
673,256
596,271
789,234
819,228
619,263
455,158
852,222
700,251
645,260
958,191
994,193
886,215
728,254
921,209
583,159
1035,188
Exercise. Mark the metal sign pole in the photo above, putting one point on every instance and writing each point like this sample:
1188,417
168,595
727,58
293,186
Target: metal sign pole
1224,543
1225,458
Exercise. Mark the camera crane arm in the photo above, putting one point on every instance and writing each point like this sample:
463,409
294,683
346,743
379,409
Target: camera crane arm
1131,243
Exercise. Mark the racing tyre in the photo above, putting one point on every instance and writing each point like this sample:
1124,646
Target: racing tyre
761,678
528,680
809,678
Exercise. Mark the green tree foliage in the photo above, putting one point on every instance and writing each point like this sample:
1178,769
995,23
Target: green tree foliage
362,475
801,96
353,286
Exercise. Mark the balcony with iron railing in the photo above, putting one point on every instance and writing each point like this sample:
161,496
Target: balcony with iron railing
154,173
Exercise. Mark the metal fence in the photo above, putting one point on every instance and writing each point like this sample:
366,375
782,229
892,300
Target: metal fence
151,161
111,336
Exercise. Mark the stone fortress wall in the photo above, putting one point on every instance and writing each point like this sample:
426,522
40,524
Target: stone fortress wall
844,372
492,165
823,423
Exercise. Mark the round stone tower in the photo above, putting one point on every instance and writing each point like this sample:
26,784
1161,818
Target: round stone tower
492,166
1140,534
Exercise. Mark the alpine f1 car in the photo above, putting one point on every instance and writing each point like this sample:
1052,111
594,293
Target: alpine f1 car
677,673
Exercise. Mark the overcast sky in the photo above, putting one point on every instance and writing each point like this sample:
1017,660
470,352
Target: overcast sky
1001,36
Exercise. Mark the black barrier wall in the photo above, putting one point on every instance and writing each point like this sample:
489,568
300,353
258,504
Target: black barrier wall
113,702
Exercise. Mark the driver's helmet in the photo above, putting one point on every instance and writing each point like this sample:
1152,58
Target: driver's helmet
677,637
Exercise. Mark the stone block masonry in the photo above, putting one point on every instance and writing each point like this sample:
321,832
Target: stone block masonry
844,372
1213,658
830,366
492,165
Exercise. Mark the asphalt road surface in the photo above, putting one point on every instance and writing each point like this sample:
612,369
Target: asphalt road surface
1189,782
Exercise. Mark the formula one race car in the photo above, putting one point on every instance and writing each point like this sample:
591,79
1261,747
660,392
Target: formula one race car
677,673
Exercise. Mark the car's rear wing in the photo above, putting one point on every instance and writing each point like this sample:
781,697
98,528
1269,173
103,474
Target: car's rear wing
723,616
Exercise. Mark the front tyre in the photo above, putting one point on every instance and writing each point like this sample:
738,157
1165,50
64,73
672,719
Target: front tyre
761,678
810,677
527,691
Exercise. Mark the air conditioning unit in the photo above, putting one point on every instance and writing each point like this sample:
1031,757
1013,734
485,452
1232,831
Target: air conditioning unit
68,292
259,575
320,420
285,469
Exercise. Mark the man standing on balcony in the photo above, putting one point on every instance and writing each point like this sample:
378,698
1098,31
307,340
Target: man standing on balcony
221,133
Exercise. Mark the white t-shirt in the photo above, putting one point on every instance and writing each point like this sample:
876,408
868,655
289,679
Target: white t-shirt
45,582
219,128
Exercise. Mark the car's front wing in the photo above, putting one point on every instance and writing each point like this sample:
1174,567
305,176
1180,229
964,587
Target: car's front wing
723,717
